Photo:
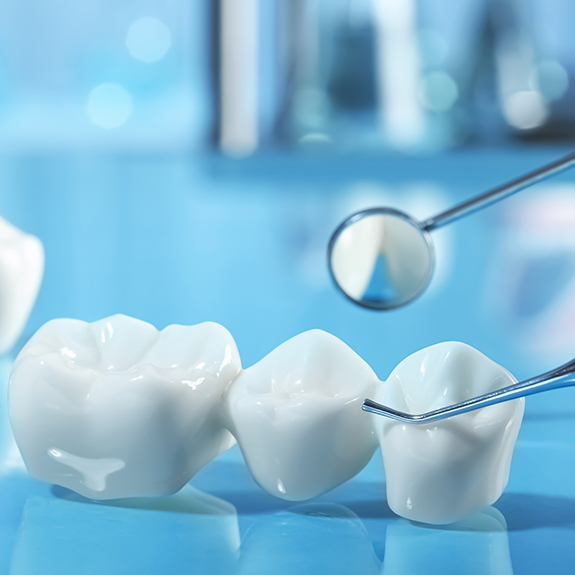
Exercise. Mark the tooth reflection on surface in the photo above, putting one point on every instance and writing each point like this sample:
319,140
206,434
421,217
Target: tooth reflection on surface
188,500
311,538
188,532
296,415
478,545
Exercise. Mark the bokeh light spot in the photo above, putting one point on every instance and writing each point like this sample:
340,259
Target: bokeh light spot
315,138
148,40
551,79
525,109
438,91
109,106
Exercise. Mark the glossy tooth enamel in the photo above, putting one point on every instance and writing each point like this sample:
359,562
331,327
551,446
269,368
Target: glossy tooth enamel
21,270
440,473
118,409
297,416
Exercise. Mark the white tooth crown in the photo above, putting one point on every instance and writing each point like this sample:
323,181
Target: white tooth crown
21,270
297,416
117,409
441,472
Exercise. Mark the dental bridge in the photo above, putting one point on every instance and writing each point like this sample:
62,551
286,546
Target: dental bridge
117,409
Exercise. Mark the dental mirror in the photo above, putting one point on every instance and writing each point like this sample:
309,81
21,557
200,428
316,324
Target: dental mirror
383,259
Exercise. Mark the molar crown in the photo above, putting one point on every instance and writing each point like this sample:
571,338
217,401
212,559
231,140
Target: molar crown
117,409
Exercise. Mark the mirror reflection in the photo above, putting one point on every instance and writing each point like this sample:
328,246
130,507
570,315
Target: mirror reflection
381,259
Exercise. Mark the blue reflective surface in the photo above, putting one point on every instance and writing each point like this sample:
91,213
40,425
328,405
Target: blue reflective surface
180,240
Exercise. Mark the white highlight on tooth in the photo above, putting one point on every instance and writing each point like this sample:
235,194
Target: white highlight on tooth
441,472
94,471
297,416
128,407
21,271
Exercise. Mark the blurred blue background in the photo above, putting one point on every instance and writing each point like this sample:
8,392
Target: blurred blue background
247,75
188,161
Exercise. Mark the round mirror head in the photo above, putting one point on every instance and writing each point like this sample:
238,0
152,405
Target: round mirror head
381,259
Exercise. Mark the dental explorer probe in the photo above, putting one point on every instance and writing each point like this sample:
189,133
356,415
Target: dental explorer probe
563,376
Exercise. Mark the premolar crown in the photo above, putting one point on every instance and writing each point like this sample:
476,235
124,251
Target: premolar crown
442,472
297,416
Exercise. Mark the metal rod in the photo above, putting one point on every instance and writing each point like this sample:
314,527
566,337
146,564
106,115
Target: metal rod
498,193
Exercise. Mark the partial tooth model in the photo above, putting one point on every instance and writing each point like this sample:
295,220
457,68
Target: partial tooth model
117,409
297,416
21,270
442,472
